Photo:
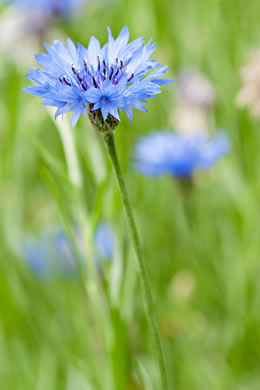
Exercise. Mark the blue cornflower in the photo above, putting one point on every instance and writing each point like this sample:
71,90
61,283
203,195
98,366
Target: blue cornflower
49,7
104,241
103,80
178,154
53,252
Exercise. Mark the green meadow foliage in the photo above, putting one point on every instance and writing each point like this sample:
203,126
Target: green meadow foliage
201,245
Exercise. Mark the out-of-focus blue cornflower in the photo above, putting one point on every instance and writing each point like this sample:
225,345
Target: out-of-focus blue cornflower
107,78
48,7
104,241
53,252
178,154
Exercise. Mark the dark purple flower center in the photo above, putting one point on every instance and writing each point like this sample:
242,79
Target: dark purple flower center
87,77
104,100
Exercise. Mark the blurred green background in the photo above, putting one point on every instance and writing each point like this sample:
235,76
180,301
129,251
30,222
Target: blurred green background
202,249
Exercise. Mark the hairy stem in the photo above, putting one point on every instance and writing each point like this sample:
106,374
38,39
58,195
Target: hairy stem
110,141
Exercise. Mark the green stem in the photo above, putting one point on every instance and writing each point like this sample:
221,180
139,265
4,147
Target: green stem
110,141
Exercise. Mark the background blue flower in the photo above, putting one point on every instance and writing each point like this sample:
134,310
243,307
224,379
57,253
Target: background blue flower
108,78
104,241
51,7
53,252
178,154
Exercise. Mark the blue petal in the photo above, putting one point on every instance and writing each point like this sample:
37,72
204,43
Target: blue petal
94,50
104,112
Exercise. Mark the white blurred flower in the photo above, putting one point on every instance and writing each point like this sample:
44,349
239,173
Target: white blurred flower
21,33
26,24
195,97
249,94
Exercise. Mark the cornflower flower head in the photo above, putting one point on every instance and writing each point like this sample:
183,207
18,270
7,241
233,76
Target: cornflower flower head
100,80
178,154
53,252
